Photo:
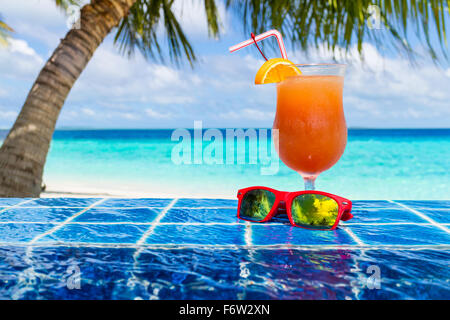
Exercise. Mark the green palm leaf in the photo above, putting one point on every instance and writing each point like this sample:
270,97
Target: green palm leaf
147,17
342,23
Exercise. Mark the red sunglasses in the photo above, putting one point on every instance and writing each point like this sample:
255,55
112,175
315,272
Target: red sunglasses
314,210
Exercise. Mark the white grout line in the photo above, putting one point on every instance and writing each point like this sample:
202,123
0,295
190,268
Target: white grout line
248,234
195,208
156,222
100,223
384,223
434,223
353,236
28,222
149,231
203,208
166,223
136,223
132,223
359,209
230,246
61,224
81,207
115,208
16,205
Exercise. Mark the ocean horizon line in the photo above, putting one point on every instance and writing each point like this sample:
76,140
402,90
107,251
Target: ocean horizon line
190,128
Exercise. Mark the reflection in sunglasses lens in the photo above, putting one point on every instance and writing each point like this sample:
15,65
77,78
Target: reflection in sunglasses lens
256,204
314,210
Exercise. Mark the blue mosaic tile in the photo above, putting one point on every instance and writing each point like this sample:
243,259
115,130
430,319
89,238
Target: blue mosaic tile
38,214
401,235
196,269
6,202
135,203
119,215
192,203
426,204
104,274
97,233
300,274
406,275
15,232
266,234
377,204
201,215
440,216
202,235
384,216
62,202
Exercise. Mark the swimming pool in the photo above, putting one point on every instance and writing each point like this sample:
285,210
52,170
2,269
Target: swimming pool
68,248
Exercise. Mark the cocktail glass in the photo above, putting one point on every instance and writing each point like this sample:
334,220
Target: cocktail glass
312,132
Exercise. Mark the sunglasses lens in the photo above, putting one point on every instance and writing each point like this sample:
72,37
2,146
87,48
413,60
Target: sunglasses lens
256,204
314,211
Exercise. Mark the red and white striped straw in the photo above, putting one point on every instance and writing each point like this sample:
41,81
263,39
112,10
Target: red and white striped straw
262,36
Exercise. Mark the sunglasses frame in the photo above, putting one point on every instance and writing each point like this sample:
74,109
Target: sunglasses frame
344,213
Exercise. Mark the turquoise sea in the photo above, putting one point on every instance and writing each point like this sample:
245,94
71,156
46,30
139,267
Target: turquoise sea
377,164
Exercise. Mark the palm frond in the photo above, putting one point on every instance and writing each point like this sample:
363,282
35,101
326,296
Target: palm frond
342,23
5,31
148,18
212,17
64,4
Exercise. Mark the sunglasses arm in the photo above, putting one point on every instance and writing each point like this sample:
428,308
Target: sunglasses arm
347,215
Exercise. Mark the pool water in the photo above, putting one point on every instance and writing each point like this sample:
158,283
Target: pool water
198,249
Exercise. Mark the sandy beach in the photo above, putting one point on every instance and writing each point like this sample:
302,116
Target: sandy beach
80,191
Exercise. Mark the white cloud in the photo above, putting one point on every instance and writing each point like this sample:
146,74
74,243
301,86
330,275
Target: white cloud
128,115
247,113
7,115
36,12
21,47
162,76
389,91
157,115
118,82
120,115
19,60
38,19
88,111
173,99
3,92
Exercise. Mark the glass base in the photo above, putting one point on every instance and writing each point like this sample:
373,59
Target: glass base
310,182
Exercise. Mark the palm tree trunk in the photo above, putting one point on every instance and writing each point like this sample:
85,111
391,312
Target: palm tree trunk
24,151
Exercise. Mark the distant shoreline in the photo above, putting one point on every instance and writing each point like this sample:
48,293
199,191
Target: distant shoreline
205,128
83,192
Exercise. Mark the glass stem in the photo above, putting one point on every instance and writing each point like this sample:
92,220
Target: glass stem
309,183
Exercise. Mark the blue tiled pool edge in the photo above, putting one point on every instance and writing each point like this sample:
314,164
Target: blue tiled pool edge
146,221
48,227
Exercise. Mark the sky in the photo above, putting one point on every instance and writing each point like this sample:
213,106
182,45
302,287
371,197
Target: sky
115,91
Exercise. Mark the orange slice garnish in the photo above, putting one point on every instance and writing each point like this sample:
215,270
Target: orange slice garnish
276,70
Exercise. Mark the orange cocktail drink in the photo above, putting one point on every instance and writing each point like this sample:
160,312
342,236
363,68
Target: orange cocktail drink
310,133
310,120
